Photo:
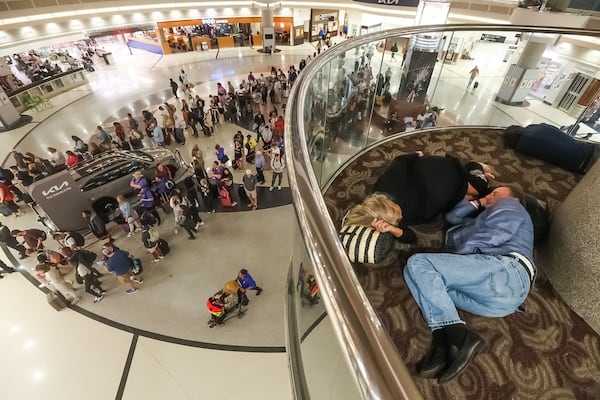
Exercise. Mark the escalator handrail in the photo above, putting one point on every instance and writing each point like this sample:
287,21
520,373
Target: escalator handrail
368,348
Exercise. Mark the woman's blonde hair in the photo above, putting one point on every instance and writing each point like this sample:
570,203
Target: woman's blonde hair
375,206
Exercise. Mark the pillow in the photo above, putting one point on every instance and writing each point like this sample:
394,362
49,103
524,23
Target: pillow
364,244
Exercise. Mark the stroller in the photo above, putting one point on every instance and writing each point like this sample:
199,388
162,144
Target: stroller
224,304
310,291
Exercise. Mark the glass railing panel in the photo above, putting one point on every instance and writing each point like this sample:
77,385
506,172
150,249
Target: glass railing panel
319,362
434,71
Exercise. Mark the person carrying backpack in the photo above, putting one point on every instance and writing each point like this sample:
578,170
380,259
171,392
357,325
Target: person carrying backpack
73,240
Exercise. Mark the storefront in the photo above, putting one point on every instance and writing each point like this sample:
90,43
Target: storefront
208,33
323,22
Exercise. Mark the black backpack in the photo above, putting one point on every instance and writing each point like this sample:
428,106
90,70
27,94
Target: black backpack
77,237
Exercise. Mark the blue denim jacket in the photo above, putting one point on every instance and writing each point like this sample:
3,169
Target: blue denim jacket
500,229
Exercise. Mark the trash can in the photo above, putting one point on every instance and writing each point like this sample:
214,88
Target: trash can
204,46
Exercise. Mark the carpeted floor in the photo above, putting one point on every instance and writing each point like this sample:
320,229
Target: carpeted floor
548,352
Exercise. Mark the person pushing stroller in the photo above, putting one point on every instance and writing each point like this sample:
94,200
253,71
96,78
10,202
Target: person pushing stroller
246,282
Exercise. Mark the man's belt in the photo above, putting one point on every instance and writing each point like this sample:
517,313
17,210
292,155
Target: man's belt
524,261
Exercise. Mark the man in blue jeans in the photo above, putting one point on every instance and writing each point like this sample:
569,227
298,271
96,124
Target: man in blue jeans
488,271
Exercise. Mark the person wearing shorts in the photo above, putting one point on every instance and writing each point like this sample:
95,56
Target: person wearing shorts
249,181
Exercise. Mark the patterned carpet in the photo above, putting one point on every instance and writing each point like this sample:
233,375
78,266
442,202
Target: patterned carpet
548,352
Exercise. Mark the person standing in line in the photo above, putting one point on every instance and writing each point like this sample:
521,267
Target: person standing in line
174,87
259,163
95,223
183,78
119,262
10,241
120,134
473,74
277,165
83,261
104,137
7,200
130,216
246,282
51,276
57,158
33,238
249,181
133,124
151,240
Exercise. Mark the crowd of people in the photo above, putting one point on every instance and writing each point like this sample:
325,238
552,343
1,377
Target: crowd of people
71,267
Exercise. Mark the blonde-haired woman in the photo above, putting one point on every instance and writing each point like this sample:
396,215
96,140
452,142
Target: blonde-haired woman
382,214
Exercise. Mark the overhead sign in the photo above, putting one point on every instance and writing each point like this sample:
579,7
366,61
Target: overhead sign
401,3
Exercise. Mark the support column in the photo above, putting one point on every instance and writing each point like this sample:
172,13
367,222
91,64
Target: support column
520,76
268,31
9,116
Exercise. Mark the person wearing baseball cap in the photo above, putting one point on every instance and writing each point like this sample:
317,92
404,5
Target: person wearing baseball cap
249,181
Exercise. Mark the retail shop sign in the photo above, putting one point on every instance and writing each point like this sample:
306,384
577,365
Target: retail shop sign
401,3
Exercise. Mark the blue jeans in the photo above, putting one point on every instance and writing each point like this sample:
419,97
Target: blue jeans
491,286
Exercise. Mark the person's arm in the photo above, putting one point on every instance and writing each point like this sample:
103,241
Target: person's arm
383,226
463,211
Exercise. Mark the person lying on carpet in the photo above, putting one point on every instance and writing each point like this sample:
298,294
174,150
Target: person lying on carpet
421,187
548,143
413,189
488,270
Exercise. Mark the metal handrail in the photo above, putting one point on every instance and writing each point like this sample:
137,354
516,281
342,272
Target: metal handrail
370,352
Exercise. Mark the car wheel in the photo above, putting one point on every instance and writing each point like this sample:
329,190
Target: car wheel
105,207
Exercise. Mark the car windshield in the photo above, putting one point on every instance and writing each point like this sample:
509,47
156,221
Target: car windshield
108,160
114,173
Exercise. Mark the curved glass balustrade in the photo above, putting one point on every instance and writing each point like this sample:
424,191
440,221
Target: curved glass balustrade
358,94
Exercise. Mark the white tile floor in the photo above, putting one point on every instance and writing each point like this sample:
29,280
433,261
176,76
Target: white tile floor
66,355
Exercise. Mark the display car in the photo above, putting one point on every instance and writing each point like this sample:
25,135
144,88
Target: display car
94,184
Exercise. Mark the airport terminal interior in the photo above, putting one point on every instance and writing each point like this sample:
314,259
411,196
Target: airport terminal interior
157,343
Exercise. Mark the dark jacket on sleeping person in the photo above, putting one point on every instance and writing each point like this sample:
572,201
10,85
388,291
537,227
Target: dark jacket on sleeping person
423,186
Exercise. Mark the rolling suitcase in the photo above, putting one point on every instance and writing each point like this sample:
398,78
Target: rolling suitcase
475,85
163,246
179,136
56,300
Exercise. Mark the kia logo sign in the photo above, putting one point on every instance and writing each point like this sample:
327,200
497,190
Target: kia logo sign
56,190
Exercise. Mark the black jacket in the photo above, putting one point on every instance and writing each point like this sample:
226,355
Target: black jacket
423,186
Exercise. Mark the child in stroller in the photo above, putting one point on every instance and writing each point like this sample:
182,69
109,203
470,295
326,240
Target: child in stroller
310,291
224,302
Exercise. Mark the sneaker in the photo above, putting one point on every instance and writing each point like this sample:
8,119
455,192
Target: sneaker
271,189
278,187
155,260
234,204
176,231
161,257
258,291
131,291
250,205
192,238
130,234
140,281
98,298
199,224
